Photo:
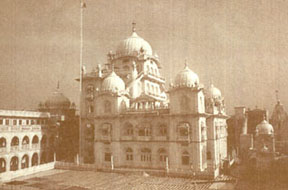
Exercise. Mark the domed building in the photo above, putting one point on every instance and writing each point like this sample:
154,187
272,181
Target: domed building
130,120
57,101
65,122
214,101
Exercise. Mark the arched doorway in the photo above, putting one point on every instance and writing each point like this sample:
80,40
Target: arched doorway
25,161
25,143
2,142
35,141
15,143
35,159
14,163
2,165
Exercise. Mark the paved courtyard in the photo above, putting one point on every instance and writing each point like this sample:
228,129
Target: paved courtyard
82,180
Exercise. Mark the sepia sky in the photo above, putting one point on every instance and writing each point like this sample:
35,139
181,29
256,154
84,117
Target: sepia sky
242,46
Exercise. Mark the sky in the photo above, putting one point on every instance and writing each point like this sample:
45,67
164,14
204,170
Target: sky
239,45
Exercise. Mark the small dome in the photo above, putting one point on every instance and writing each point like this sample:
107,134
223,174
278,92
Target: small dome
213,92
186,77
57,101
133,45
264,128
113,83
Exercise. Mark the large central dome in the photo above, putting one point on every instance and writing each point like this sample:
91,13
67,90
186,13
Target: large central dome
133,45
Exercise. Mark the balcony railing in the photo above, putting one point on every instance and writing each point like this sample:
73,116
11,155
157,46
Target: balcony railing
3,149
35,146
23,128
25,147
14,148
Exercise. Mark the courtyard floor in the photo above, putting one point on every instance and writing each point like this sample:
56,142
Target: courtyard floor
82,180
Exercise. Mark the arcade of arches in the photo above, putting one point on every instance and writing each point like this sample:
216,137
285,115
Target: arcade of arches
34,152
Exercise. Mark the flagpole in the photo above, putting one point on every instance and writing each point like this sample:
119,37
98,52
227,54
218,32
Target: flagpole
82,6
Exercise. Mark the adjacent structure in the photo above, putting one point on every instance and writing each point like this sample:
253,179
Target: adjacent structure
130,120
31,138
26,139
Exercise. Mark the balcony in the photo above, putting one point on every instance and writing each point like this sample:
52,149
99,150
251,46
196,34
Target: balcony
21,128
25,147
35,146
14,148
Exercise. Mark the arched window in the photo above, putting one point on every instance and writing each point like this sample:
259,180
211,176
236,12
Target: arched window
107,107
2,142
106,129
123,105
35,159
25,140
147,87
15,141
144,129
2,165
162,130
203,133
162,155
129,154
185,158
90,109
146,155
128,129
14,163
35,139
183,129
25,161
107,156
89,132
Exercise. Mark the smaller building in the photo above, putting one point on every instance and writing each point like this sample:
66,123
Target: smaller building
26,139
63,117
241,129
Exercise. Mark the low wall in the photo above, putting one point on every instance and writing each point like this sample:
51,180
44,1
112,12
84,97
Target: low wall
8,176
138,171
73,166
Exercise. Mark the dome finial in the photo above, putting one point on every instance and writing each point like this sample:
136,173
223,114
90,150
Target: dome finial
277,96
186,64
112,67
133,26
264,116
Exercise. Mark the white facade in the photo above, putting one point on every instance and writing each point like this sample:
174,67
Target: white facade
25,140
130,120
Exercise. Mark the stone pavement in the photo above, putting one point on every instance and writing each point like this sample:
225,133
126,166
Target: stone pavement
83,180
